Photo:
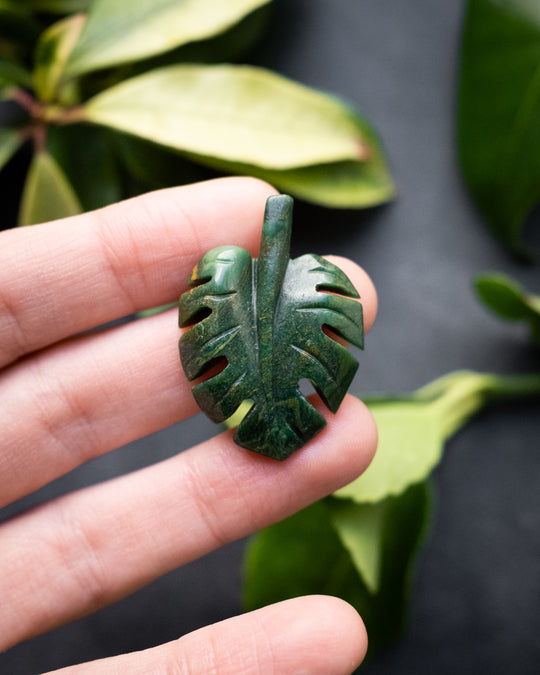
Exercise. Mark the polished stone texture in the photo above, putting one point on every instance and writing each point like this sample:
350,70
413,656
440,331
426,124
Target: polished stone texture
265,317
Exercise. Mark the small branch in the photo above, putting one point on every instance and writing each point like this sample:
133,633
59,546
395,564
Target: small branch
26,101
57,115
40,137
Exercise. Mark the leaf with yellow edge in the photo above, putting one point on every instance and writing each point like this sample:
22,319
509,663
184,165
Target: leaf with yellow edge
117,32
234,113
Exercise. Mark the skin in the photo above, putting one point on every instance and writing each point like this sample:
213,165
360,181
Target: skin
68,397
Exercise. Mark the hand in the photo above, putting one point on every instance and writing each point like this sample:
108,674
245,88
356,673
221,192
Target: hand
68,396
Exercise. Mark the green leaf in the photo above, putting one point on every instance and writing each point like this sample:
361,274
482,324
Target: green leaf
85,154
508,299
349,184
233,113
233,45
53,49
265,317
305,555
361,530
10,142
338,185
12,74
499,112
47,194
117,34
153,166
413,428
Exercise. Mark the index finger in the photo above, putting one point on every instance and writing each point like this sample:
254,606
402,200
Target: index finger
68,276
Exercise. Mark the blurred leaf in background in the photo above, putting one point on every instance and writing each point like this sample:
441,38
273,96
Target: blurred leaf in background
115,79
499,113
47,194
309,553
506,298
361,543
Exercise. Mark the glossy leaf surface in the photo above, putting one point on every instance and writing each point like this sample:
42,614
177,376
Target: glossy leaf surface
234,113
338,184
116,33
499,112
265,317
47,194
508,299
344,184
304,555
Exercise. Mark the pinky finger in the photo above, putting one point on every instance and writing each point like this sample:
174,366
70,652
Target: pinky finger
319,635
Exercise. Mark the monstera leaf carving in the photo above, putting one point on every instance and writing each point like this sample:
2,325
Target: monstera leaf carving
265,316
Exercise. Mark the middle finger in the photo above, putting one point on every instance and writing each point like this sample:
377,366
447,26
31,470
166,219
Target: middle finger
85,397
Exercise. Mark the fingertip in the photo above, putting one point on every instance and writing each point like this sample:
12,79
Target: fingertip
348,443
338,613
363,284
323,633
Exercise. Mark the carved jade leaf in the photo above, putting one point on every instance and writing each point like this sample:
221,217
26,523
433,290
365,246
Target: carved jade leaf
265,317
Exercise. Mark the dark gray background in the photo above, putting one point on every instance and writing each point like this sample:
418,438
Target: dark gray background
476,603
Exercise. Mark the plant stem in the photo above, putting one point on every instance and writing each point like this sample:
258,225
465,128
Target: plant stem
26,101
467,392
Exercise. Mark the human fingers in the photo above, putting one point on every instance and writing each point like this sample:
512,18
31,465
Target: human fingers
61,278
89,395
319,635
84,550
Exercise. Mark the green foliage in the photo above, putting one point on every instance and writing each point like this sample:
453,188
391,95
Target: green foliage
52,51
12,75
119,32
341,184
499,113
307,553
269,327
413,428
509,300
47,193
83,152
202,109
361,543
150,70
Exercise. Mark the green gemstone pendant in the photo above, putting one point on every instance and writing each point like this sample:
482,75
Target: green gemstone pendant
264,319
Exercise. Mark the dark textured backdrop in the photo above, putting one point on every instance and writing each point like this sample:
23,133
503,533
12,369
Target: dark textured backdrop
476,604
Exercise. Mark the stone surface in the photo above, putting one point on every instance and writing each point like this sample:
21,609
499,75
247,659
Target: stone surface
265,316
